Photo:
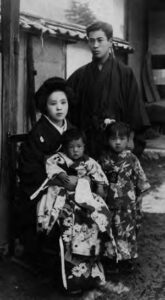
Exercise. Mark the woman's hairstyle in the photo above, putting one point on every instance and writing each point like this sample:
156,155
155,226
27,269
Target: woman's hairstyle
117,128
49,86
99,25
70,135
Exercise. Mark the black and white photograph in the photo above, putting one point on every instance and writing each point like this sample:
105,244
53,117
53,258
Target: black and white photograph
82,150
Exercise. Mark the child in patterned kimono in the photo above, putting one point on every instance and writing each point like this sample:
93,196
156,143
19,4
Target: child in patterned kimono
83,216
127,184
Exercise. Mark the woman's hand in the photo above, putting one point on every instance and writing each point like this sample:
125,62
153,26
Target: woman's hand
61,179
71,184
64,178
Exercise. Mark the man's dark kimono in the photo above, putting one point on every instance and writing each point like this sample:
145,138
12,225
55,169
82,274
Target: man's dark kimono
109,93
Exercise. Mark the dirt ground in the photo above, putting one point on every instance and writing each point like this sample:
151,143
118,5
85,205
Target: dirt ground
147,282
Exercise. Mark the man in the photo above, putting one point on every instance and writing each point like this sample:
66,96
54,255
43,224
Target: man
106,89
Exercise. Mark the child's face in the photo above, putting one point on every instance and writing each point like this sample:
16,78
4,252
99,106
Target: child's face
75,149
118,143
57,107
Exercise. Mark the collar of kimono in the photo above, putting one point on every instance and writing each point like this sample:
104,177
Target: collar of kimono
98,63
69,162
62,129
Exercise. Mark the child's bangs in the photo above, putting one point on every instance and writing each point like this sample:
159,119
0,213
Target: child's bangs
117,129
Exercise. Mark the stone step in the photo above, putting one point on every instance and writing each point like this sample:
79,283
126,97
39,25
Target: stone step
153,153
155,148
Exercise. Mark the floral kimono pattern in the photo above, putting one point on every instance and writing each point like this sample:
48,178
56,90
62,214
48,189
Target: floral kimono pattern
127,182
83,217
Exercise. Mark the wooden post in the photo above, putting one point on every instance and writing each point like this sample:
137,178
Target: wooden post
31,109
10,51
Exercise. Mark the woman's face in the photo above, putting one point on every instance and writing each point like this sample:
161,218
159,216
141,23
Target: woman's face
57,107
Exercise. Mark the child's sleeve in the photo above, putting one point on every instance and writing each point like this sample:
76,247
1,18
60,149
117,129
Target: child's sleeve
95,171
54,165
52,170
140,179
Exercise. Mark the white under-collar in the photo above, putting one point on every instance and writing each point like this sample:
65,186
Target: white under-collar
61,129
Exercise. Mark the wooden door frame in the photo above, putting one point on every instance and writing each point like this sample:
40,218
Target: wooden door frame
10,51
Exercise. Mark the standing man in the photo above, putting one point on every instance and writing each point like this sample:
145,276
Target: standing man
106,89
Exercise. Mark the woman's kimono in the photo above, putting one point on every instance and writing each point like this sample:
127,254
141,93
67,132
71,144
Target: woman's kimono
83,217
42,141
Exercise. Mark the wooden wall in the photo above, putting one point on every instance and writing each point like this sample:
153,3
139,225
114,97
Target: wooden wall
137,35
157,47
49,60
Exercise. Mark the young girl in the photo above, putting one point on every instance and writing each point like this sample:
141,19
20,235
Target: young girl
42,141
127,183
83,216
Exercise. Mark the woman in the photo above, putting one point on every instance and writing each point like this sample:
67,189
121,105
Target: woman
43,140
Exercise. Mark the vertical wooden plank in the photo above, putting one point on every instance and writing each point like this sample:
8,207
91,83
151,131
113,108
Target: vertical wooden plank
64,49
31,109
10,51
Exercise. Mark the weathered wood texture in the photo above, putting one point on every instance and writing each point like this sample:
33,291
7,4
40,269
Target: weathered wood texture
31,109
10,50
37,62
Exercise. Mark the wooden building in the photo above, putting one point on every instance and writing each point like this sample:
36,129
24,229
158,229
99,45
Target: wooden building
54,49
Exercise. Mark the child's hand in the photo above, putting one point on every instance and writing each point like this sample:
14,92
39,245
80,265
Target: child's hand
100,190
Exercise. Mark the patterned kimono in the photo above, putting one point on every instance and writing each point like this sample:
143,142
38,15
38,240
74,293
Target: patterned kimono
83,217
127,182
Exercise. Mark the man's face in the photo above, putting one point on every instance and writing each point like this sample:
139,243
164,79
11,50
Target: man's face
99,44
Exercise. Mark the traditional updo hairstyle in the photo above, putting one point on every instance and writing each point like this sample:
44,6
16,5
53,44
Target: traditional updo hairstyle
49,86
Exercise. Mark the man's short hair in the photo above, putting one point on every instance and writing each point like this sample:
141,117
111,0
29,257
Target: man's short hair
99,25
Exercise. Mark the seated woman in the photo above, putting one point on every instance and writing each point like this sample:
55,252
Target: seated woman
43,140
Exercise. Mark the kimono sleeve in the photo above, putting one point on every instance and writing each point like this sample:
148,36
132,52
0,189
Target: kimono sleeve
133,106
140,180
75,82
95,171
31,165
54,165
